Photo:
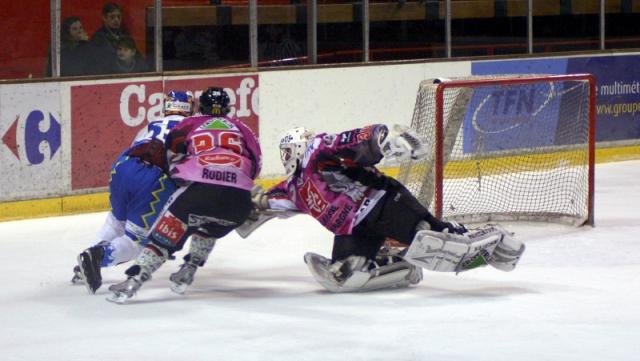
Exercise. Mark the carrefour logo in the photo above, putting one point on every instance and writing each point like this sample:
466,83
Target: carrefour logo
40,129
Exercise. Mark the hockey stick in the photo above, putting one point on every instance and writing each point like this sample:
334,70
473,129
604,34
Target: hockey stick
252,223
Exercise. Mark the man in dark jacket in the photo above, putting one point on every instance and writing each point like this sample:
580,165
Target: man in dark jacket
105,40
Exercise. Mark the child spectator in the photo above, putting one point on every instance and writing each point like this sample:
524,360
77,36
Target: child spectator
128,59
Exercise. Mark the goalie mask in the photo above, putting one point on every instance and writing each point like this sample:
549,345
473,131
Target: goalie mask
293,145
178,102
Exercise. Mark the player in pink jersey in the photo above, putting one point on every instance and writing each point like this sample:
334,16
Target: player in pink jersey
333,178
214,159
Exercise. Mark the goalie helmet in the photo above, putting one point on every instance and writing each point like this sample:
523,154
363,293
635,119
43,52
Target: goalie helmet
293,145
178,102
214,101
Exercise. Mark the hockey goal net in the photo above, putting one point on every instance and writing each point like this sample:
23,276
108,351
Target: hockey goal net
506,148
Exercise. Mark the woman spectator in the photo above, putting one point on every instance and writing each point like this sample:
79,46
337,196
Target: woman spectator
75,50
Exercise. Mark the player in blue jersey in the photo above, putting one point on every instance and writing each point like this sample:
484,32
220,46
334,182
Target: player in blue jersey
139,187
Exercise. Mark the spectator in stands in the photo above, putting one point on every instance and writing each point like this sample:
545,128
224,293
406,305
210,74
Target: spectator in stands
128,59
111,31
74,49
105,40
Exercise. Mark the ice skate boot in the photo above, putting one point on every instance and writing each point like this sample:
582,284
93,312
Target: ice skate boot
148,261
184,277
89,263
123,291
199,250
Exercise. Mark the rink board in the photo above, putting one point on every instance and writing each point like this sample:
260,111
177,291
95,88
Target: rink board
98,202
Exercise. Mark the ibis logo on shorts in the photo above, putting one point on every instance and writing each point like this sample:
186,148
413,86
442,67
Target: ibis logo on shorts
170,229
230,160
313,199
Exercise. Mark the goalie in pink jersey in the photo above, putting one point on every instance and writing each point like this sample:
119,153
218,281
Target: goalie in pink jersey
214,160
333,178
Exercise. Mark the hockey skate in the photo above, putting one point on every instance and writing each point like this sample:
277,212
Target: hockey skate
199,250
89,263
183,278
123,291
77,278
148,261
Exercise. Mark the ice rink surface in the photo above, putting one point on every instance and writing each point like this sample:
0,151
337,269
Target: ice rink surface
574,296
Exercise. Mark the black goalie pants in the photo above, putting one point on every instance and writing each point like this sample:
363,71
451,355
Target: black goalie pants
395,216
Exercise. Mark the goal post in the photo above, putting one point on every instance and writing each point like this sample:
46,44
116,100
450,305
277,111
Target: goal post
509,147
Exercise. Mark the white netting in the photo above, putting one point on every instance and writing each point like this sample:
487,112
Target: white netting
510,151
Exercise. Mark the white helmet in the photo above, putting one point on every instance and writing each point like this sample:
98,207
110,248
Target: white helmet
293,145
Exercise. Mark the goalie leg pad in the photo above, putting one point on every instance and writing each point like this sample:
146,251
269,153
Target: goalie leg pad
353,274
446,252
507,253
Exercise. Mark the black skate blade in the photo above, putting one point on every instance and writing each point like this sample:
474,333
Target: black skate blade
92,279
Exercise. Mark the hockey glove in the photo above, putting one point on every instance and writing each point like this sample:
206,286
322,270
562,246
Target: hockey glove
403,144
259,198
437,225
454,227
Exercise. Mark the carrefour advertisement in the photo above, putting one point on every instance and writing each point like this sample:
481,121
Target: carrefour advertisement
30,151
617,87
106,117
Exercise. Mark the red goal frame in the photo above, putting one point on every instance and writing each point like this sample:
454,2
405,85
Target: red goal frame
439,128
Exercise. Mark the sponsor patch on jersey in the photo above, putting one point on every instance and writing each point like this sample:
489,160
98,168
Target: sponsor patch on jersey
364,134
170,229
218,124
346,137
341,218
312,198
225,159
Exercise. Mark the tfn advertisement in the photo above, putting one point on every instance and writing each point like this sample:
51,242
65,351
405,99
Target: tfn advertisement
617,87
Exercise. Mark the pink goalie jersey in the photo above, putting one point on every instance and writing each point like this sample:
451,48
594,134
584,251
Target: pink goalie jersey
320,188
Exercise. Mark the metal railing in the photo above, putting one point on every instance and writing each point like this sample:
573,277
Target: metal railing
312,56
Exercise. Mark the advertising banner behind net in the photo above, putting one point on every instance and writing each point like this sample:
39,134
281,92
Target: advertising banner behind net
106,117
617,87
31,139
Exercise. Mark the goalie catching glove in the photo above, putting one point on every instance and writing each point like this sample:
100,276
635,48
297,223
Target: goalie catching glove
402,144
